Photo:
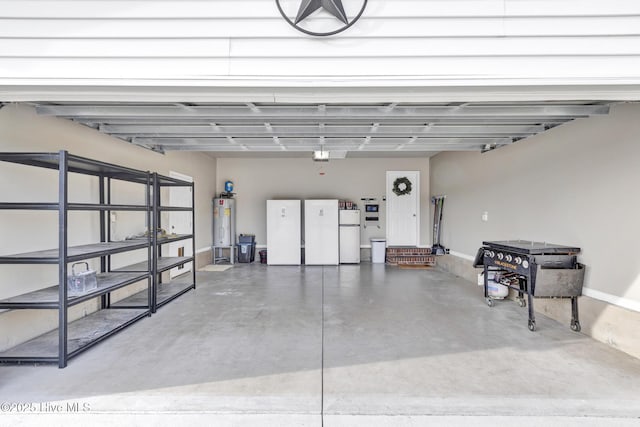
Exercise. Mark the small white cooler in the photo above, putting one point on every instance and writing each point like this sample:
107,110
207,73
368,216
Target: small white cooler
378,250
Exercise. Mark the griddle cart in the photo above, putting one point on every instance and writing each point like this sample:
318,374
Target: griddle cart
539,270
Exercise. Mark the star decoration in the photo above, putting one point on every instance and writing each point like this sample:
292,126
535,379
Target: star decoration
334,7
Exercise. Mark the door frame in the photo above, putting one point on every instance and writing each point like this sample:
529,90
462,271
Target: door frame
389,194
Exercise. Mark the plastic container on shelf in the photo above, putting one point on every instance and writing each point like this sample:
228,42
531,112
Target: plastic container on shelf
81,282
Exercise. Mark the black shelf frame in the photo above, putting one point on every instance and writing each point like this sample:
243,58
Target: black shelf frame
84,333
45,298
162,264
166,292
74,253
76,164
71,207
162,293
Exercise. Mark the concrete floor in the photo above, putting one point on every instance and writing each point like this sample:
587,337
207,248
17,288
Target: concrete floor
362,345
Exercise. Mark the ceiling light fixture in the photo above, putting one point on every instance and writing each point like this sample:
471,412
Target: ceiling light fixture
320,156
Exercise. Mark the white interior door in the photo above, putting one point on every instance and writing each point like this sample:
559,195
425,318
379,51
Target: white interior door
180,223
283,232
403,211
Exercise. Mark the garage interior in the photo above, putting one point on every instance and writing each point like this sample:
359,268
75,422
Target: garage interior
538,142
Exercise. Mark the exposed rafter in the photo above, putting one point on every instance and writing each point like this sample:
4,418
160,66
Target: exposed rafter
391,127
373,113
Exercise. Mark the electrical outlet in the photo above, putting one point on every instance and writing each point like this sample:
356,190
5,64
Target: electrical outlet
485,216
113,217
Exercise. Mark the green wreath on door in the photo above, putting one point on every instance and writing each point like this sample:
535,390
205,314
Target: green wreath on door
402,186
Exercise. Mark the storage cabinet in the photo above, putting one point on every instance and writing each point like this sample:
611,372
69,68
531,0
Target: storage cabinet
71,338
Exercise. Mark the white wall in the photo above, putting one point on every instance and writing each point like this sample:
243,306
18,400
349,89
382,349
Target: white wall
232,42
258,180
576,184
22,130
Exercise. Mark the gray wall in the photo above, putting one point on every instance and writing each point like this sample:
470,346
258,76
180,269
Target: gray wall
257,180
576,184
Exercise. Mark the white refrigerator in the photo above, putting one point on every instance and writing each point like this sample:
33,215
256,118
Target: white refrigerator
321,236
283,232
350,236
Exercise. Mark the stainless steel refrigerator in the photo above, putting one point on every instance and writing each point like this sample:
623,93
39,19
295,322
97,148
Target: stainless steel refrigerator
349,236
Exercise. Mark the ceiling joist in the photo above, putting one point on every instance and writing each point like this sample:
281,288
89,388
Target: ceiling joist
377,128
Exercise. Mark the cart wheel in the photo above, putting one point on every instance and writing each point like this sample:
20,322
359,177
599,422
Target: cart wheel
489,302
575,326
522,302
532,325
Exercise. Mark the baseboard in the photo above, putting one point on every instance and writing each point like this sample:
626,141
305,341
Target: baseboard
203,257
461,255
627,303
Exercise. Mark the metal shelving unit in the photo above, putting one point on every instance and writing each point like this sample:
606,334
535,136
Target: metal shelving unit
165,292
71,338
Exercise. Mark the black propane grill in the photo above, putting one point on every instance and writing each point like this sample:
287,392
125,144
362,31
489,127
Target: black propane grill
540,270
